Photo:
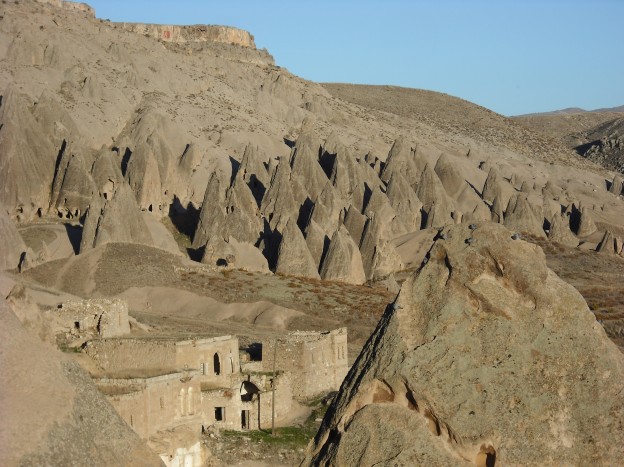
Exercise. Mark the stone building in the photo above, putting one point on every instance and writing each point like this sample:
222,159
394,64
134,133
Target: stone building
316,361
95,317
162,386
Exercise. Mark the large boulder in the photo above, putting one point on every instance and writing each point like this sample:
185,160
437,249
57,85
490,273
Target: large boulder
486,357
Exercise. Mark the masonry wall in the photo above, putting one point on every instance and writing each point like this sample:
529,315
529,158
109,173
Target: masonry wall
161,402
140,355
216,359
317,361
104,317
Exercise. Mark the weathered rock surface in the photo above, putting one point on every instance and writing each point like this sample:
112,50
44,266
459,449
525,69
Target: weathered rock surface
560,231
486,357
522,217
343,261
12,247
293,256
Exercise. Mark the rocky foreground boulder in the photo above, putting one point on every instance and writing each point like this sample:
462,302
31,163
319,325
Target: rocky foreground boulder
486,357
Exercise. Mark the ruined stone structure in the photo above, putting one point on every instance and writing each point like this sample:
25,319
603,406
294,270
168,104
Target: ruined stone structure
316,361
161,383
99,317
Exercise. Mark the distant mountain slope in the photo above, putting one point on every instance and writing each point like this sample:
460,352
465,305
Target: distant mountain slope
456,116
595,135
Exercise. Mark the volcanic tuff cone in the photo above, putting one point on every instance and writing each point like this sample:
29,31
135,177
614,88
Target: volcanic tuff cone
343,261
293,256
486,357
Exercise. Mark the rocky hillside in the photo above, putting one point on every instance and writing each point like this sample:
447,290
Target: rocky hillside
595,135
114,132
501,364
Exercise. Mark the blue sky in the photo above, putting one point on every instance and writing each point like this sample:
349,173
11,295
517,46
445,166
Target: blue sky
511,56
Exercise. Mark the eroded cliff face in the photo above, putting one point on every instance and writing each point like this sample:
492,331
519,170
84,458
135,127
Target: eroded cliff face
485,358
195,33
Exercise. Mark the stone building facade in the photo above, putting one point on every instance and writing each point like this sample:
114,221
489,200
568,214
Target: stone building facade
316,361
160,386
95,317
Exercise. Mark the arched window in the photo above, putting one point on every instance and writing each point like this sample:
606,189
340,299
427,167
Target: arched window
216,364
190,407
182,402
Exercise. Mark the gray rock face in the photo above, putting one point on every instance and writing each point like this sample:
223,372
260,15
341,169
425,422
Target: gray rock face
610,244
522,217
586,223
449,175
354,221
27,158
293,256
343,261
487,358
304,162
492,188
379,257
431,192
401,159
114,219
404,202
560,231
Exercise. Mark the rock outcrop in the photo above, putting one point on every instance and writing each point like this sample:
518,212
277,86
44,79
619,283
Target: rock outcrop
560,231
293,256
343,261
485,358
195,33
522,217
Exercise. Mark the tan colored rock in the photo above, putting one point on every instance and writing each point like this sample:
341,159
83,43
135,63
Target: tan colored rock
327,208
343,261
317,242
304,162
560,231
114,219
478,362
617,185
521,216
212,215
12,246
610,244
284,195
404,202
586,224
492,188
354,221
431,192
401,159
452,180
379,257
293,256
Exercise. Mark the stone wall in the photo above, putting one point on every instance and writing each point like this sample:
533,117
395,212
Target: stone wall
317,361
102,317
215,358
138,355
150,405
196,33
